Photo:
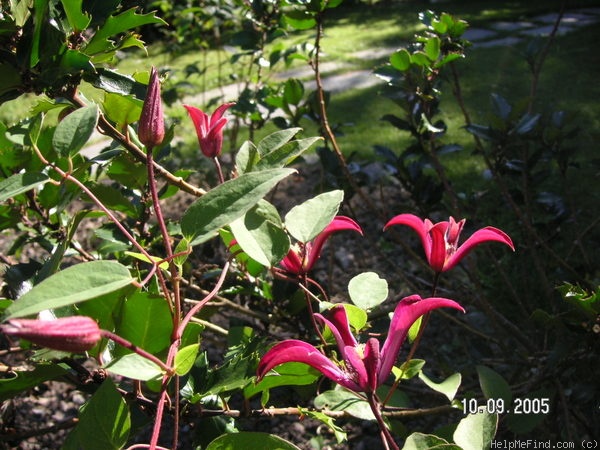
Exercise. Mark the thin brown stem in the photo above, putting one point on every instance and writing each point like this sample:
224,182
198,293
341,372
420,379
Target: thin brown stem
386,436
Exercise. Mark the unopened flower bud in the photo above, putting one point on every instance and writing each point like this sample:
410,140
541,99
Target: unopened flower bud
151,129
69,334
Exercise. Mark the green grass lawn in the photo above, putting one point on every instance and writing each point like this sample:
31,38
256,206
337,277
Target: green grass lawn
350,29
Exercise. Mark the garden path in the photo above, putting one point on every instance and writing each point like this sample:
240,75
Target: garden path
340,77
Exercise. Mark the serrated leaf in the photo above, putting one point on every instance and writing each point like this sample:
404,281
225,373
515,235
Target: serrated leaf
448,387
367,290
114,25
305,221
21,182
73,132
250,439
476,431
78,20
227,202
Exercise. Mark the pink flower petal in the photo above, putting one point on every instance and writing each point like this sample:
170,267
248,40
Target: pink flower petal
340,327
298,351
486,234
409,309
416,224
339,223
438,255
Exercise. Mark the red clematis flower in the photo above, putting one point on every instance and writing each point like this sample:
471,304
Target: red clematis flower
302,257
440,240
70,334
365,366
209,128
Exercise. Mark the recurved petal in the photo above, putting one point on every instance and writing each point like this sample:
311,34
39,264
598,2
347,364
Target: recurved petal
200,120
218,114
339,223
337,321
487,234
416,224
299,351
409,309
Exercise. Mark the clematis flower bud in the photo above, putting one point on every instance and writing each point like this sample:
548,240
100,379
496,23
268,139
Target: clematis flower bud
69,334
151,129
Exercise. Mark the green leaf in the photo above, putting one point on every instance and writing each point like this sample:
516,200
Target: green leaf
286,154
104,421
114,25
21,182
340,434
73,132
145,321
343,400
420,441
246,158
75,284
432,48
400,60
367,290
293,91
276,140
111,81
21,381
185,358
413,331
448,387
409,369
420,59
305,221
78,20
163,265
135,367
300,20
227,202
476,431
250,439
260,234
288,374
122,109
493,385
